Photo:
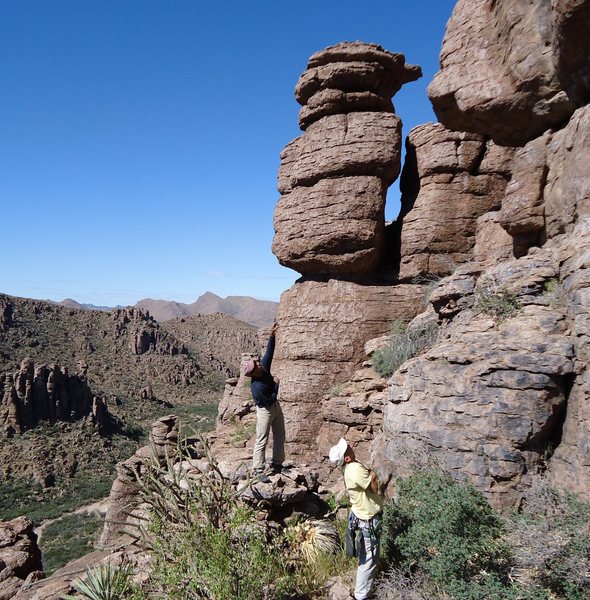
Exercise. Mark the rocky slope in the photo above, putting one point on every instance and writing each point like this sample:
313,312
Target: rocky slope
215,340
77,387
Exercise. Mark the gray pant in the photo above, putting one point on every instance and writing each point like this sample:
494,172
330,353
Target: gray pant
267,419
368,556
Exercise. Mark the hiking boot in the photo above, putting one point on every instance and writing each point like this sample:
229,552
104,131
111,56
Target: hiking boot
275,469
261,476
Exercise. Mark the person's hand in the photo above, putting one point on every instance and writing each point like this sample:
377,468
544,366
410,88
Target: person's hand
274,328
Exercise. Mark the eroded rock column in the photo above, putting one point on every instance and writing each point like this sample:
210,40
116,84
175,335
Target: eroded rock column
330,227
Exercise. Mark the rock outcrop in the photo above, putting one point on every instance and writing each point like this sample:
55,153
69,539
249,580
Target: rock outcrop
218,340
496,197
20,557
571,47
450,179
330,226
497,75
501,397
323,327
124,496
46,393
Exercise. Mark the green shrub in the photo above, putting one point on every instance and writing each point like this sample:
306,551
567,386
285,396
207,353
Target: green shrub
495,301
233,561
405,342
68,538
444,529
206,543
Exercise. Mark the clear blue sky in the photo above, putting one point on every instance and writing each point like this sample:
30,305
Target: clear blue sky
140,139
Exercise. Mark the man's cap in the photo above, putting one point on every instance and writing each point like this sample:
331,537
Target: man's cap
338,451
248,367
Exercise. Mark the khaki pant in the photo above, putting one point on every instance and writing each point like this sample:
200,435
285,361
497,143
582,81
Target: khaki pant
368,556
267,419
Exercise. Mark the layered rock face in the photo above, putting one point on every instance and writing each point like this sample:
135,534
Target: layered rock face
502,396
46,393
333,179
323,327
497,74
450,179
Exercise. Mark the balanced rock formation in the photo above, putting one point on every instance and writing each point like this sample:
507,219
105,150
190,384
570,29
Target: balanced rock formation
333,179
497,68
330,226
46,393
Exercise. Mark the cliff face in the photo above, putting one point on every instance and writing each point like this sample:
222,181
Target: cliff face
495,215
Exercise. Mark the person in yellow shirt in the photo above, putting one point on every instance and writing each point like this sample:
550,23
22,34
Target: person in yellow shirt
366,506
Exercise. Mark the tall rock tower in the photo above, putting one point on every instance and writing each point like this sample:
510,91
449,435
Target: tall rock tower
330,227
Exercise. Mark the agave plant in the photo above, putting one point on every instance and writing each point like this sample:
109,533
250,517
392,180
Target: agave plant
105,582
309,539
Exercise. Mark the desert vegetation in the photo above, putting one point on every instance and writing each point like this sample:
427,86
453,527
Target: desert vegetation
443,540
405,341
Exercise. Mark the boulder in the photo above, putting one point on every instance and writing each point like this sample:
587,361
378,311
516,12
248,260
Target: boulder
350,77
334,226
497,75
363,143
20,557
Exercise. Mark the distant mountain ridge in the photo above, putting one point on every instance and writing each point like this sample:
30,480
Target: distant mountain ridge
260,313
71,303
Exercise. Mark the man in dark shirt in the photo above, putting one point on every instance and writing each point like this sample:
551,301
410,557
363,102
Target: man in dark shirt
269,415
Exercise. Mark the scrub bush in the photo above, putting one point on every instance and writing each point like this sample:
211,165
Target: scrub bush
404,343
445,530
495,301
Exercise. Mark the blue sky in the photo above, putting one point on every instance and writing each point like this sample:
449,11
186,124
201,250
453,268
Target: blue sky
140,139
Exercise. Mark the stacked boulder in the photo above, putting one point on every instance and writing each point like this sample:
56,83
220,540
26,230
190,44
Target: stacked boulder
330,226
334,178
450,179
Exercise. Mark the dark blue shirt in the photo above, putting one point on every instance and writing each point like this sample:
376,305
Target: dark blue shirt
264,388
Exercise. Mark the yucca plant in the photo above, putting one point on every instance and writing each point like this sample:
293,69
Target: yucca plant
105,582
311,538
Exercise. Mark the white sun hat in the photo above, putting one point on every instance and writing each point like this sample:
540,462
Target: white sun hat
338,451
